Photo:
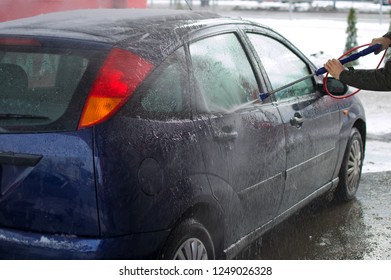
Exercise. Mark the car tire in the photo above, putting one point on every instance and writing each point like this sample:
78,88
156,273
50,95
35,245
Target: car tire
190,240
350,172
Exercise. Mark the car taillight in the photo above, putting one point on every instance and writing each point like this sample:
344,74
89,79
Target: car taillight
120,75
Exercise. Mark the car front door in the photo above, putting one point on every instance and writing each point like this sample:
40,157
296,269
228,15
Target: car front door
242,140
311,120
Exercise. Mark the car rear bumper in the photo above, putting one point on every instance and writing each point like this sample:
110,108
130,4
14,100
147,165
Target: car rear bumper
26,245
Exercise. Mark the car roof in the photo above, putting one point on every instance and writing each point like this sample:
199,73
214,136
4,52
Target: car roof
151,33
98,24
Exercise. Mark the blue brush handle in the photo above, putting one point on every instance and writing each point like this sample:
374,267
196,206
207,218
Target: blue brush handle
352,57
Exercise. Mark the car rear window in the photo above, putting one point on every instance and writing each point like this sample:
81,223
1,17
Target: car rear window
37,87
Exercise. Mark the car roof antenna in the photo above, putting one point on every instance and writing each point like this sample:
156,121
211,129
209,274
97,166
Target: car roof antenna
187,2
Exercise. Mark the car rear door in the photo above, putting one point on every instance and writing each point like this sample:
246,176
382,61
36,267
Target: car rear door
311,120
47,179
242,140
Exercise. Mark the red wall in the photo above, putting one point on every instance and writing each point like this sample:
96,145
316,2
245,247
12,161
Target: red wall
13,9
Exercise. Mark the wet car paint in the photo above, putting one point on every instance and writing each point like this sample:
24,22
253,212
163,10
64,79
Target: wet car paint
39,197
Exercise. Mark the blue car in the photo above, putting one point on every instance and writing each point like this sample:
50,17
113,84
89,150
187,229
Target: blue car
140,134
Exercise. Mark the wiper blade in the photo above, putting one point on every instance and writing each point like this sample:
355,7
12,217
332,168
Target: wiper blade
22,116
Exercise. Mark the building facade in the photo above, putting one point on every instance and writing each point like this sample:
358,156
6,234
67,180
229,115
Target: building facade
14,9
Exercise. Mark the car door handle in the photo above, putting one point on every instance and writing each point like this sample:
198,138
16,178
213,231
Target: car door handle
297,120
222,136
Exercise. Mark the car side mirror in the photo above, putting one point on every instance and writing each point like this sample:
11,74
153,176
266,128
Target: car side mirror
335,87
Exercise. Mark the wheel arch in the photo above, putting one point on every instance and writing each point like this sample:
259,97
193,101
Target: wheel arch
212,218
351,168
358,123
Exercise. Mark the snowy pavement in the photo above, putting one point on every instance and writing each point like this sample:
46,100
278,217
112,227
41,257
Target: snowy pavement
378,149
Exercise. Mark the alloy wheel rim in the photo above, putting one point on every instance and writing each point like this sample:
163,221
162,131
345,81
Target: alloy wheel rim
191,249
354,166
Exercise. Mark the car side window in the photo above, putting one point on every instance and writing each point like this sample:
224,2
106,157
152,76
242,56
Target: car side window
223,73
165,93
282,67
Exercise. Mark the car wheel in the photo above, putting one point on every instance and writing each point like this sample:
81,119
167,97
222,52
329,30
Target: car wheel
189,241
351,168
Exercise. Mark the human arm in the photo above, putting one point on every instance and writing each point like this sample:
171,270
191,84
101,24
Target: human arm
377,79
335,68
368,79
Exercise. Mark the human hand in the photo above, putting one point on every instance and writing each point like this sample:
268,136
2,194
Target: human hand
334,67
383,41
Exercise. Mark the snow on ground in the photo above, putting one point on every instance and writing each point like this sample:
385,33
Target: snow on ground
300,5
277,5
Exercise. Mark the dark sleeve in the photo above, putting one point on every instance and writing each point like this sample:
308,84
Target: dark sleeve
387,35
378,80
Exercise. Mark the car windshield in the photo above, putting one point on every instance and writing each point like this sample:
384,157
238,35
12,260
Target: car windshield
37,86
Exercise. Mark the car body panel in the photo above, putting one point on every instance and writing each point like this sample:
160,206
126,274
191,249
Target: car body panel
311,119
249,193
169,155
353,115
311,148
57,194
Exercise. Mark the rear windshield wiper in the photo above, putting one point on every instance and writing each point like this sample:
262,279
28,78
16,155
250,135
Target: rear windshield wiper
22,116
